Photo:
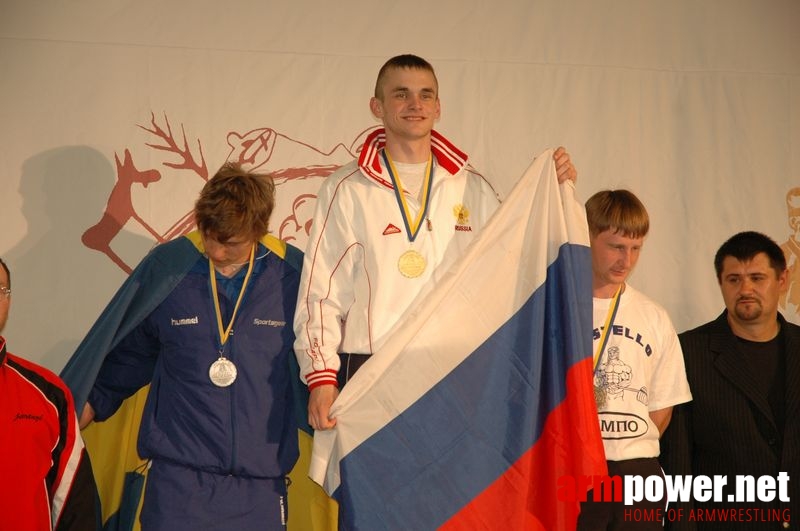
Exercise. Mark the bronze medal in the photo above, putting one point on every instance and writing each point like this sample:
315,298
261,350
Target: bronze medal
599,397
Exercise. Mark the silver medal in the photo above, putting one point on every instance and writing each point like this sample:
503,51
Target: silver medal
222,372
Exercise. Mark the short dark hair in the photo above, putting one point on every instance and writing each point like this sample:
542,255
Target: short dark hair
619,210
745,245
235,201
402,61
8,273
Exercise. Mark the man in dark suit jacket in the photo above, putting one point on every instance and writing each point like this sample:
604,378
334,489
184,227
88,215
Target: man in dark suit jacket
744,373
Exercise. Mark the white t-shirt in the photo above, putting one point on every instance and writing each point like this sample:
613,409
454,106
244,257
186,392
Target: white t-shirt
641,370
411,177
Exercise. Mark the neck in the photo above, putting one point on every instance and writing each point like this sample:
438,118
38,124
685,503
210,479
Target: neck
409,151
762,331
233,267
606,291
229,270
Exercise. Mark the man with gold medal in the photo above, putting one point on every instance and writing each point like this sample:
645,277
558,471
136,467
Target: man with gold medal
207,322
386,226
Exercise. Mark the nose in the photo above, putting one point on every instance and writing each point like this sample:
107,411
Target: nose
215,251
747,285
414,101
626,257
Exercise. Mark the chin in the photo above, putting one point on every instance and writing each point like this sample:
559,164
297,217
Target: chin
748,316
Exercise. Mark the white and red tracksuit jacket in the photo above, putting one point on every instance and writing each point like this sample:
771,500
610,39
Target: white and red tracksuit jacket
351,290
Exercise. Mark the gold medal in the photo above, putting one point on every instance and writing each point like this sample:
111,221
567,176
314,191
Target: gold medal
222,372
411,264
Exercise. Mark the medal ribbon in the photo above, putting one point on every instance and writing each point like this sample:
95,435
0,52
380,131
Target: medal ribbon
612,312
411,229
224,333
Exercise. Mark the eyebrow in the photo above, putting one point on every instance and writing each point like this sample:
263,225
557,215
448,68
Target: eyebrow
406,89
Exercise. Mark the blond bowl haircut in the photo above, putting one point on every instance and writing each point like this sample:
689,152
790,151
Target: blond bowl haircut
617,210
235,202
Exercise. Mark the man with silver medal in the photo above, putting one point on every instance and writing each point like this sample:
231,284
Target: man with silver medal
218,426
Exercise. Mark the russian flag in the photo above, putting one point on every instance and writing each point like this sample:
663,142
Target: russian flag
481,398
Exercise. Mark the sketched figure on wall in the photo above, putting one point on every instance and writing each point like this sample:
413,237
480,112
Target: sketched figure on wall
290,161
790,300
120,209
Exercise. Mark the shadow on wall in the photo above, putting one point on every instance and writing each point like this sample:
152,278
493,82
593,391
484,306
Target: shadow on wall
59,285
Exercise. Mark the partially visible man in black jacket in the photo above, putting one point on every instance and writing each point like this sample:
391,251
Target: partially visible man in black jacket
744,372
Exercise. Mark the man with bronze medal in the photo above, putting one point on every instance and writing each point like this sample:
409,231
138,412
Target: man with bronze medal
386,225
213,338
639,371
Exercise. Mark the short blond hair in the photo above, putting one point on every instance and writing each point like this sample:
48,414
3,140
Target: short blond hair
617,210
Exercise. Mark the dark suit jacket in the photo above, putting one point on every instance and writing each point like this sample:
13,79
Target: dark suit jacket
729,429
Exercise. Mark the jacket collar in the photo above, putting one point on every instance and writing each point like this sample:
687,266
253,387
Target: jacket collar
2,350
791,336
447,155
732,364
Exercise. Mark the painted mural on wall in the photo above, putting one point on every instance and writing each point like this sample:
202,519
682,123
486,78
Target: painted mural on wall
790,301
298,169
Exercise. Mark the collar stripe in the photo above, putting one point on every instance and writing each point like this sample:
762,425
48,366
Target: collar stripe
448,156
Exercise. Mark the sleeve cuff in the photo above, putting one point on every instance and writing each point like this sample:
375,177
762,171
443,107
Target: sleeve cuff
318,378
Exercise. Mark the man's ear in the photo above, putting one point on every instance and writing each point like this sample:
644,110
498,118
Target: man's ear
376,106
783,281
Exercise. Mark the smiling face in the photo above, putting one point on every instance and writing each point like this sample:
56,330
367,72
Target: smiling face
751,290
613,258
408,104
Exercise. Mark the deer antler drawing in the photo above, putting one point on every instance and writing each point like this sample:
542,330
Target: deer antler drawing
171,146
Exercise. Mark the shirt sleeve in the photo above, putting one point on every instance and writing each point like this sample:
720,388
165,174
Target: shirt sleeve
81,508
669,383
126,369
73,493
326,290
